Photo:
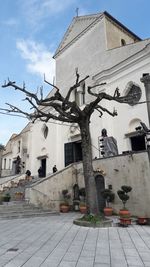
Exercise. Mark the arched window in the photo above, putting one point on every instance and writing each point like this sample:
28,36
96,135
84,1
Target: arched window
45,131
123,42
134,91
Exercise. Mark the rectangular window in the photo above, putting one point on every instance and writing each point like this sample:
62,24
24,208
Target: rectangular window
9,163
80,95
19,146
73,152
4,164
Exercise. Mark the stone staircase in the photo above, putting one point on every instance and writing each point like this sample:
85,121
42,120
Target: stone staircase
12,188
18,207
21,209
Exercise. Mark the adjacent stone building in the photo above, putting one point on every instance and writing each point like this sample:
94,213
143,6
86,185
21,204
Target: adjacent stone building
15,157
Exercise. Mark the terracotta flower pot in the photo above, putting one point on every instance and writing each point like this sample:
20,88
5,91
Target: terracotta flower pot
18,196
108,211
142,220
83,209
124,213
64,208
125,221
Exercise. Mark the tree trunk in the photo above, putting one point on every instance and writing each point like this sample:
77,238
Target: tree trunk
90,185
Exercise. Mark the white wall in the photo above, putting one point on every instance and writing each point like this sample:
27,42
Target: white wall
119,126
41,146
84,54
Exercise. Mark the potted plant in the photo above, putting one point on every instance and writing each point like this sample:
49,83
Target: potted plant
124,212
109,196
64,205
83,207
18,195
82,204
6,197
142,220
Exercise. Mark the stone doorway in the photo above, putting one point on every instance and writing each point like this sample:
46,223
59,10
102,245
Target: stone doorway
43,165
138,142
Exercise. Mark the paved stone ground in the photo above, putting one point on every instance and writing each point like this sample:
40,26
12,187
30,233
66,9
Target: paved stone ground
55,241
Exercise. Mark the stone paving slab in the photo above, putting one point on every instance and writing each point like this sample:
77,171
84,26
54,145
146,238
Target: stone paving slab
55,241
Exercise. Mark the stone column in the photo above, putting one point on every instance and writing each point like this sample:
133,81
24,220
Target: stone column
146,80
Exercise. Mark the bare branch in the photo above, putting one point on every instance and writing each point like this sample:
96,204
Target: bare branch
76,85
61,108
78,76
22,89
114,113
101,113
51,84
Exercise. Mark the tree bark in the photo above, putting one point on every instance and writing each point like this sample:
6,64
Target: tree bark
90,185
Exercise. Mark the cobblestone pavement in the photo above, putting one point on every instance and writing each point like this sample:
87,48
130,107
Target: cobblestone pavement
54,241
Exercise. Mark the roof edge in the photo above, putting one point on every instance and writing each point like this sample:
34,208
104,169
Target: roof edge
121,25
98,16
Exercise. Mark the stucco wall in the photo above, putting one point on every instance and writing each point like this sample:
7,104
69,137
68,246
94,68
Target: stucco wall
114,34
84,54
47,193
132,169
120,125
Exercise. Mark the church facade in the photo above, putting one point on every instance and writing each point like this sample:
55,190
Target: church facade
113,56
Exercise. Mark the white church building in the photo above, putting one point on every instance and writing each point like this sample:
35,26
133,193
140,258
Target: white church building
99,46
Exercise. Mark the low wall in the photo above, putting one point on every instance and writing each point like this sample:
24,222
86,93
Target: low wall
47,192
6,181
132,169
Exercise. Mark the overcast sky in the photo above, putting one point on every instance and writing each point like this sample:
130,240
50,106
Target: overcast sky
30,32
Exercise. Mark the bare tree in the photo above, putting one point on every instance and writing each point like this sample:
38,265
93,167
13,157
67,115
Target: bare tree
63,109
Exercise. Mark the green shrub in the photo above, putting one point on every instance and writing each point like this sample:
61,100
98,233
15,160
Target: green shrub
123,194
6,197
108,195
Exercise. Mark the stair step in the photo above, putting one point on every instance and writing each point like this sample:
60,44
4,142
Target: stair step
27,215
17,207
21,209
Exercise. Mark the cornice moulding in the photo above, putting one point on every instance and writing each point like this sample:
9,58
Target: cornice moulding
123,65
